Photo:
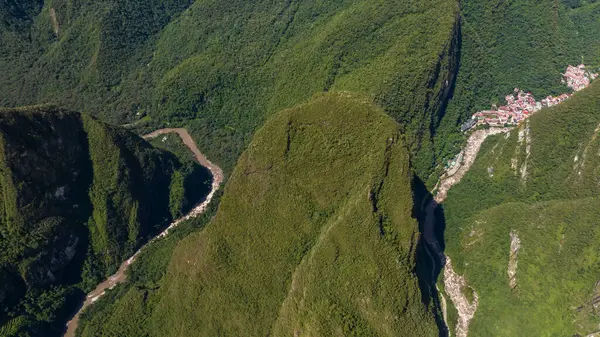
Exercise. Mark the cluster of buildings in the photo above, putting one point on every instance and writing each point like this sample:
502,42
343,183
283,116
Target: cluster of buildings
520,105
577,78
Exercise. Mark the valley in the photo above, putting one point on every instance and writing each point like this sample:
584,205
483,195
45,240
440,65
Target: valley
377,168
455,284
121,274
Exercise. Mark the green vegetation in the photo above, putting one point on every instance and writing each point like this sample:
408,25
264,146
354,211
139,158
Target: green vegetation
313,236
295,224
525,44
78,197
550,198
125,310
586,18
220,68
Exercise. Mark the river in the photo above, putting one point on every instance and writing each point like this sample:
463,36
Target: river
121,275
454,283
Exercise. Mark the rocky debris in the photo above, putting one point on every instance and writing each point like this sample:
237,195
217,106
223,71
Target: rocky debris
527,139
524,139
454,285
444,309
475,235
596,297
578,164
60,193
55,24
514,163
515,245
470,153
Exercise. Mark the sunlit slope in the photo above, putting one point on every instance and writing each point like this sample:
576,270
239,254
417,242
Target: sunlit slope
556,274
314,235
255,59
540,182
523,43
225,66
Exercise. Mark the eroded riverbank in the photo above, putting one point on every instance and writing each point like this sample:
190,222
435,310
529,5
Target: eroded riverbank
121,274
454,283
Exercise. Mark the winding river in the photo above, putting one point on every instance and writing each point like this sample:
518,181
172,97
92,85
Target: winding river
121,275
454,283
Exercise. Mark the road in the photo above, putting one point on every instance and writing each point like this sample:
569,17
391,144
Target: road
121,275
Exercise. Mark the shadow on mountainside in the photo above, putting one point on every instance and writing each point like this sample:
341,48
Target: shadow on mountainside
430,253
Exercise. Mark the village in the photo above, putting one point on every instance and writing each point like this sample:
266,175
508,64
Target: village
521,105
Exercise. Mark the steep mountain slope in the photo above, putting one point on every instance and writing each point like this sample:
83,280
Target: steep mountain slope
522,226
223,66
76,54
586,17
521,43
78,197
314,236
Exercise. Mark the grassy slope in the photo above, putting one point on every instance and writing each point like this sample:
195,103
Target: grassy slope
72,183
555,213
228,65
319,204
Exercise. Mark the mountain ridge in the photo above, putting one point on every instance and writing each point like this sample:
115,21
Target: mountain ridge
79,196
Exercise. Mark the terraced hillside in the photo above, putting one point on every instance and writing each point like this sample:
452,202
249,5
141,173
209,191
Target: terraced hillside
314,236
223,67
78,197
523,224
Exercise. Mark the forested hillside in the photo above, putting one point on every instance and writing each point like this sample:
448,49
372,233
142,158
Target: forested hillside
222,67
537,187
78,198
315,233
524,44
314,236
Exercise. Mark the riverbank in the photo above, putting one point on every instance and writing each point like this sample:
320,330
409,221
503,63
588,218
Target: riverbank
121,274
454,283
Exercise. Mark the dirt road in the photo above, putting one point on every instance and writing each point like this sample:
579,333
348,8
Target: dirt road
121,275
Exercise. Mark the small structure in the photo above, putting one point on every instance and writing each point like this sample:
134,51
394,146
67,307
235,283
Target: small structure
468,125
